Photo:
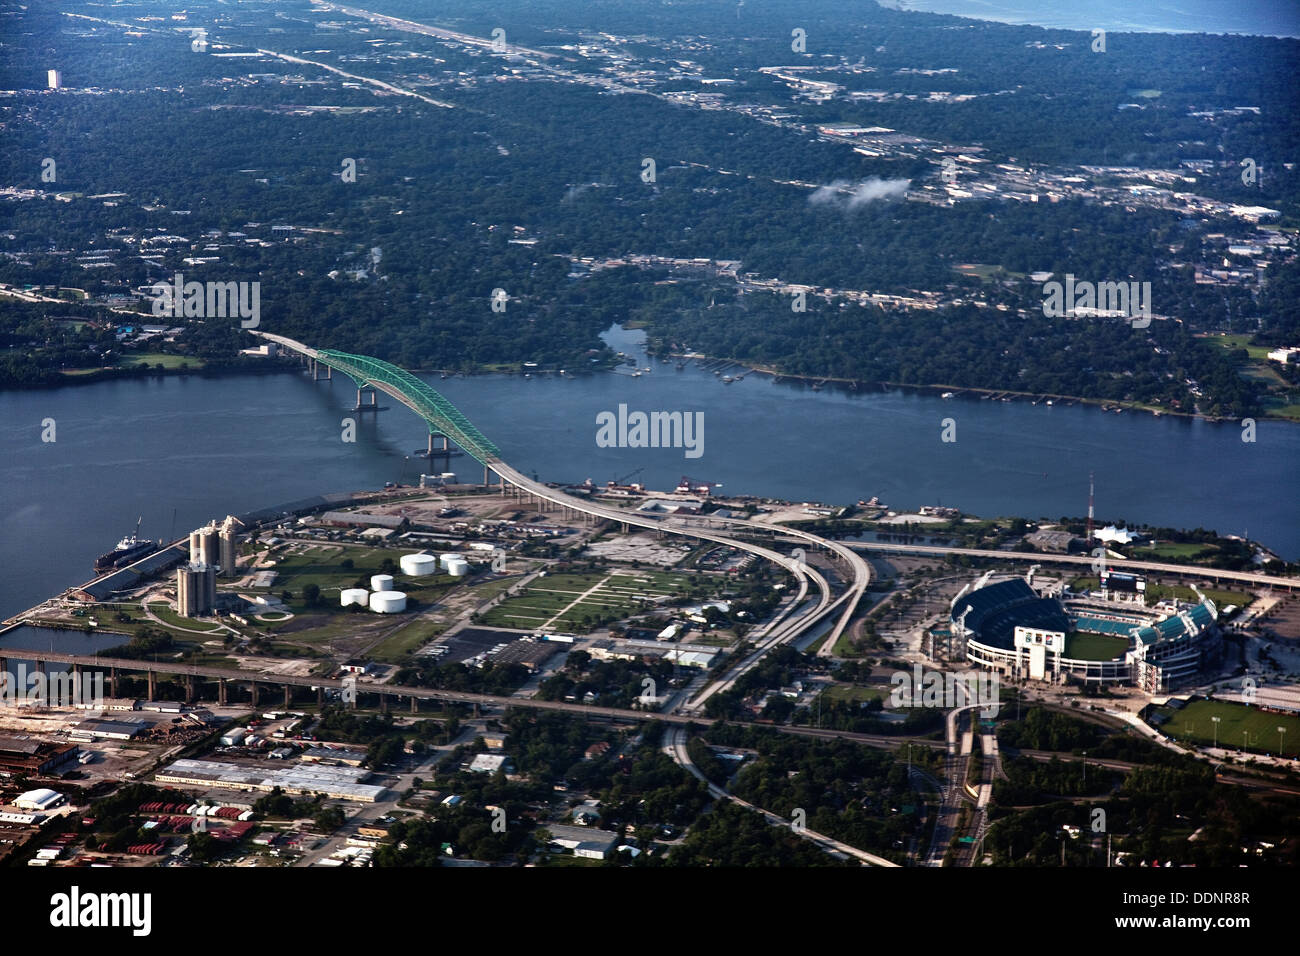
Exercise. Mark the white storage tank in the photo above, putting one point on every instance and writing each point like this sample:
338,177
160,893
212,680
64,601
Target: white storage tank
458,567
350,596
418,565
381,582
446,559
388,602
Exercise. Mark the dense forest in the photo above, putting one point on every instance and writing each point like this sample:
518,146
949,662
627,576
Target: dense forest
519,179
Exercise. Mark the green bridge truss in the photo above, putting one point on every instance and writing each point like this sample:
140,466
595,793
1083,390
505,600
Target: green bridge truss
441,415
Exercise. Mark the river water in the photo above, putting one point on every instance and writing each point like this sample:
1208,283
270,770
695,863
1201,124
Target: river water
198,449
1261,17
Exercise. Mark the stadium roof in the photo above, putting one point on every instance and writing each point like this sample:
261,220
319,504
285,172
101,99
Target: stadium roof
1191,621
996,610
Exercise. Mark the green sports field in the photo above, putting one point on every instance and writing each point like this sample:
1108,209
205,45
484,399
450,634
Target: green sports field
1238,724
1094,647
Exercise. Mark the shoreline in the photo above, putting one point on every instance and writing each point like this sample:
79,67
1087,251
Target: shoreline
1111,405
1105,404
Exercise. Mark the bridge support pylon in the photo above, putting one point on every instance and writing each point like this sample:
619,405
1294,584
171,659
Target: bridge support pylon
438,453
370,406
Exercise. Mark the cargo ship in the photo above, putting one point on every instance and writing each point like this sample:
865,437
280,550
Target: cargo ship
131,548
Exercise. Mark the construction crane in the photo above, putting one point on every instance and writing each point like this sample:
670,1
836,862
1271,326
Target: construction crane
625,478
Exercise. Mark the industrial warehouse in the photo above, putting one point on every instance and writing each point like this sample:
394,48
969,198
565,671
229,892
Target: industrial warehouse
337,782
1109,638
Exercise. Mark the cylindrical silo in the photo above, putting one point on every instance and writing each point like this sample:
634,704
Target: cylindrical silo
209,545
418,565
458,567
381,582
388,602
445,559
349,596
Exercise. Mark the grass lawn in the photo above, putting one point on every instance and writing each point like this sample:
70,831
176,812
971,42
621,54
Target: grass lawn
322,565
1193,722
315,627
844,647
1095,647
1232,342
1291,411
163,358
1170,549
490,589
394,649
163,611
1158,592
565,600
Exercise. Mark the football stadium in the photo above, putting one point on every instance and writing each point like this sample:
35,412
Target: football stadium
1109,636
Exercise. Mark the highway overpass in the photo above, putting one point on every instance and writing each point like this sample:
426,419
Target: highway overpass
1086,563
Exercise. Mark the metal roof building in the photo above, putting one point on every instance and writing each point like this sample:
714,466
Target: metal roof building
341,783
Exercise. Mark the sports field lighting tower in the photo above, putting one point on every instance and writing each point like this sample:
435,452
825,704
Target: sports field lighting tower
1090,503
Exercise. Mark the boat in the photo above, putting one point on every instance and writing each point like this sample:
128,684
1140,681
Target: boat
129,549
727,380
947,394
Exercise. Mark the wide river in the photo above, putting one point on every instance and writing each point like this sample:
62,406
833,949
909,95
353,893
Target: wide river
180,451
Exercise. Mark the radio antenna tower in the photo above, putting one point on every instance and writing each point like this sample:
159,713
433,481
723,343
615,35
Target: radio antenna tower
1090,489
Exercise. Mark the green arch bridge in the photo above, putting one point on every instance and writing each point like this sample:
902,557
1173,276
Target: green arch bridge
440,414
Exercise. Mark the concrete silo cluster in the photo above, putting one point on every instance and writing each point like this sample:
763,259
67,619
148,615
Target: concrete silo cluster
214,549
